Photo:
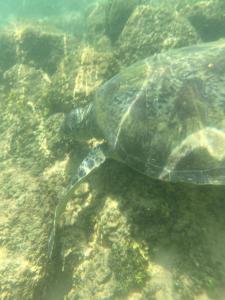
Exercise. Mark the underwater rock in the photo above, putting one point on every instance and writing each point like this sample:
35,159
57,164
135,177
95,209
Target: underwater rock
95,67
117,14
95,22
81,72
108,18
7,52
127,235
151,30
54,141
30,147
208,19
39,47
24,227
108,248
28,133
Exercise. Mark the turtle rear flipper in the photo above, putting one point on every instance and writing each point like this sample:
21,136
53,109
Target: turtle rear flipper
92,161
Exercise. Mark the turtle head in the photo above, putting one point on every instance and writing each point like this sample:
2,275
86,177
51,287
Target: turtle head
77,121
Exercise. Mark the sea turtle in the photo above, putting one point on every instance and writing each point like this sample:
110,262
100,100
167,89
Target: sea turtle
163,116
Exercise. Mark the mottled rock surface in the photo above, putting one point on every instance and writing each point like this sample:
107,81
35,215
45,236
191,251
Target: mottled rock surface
24,227
150,30
208,18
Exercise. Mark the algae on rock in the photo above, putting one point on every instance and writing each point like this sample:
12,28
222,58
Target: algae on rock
117,14
151,30
208,18
30,144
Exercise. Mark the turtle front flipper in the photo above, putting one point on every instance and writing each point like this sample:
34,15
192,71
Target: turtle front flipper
93,160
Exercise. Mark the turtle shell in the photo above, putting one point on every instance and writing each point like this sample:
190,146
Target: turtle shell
165,116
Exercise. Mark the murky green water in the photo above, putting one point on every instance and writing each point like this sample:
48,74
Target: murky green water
112,175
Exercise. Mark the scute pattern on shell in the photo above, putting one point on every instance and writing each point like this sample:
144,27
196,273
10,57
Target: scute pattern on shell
165,116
